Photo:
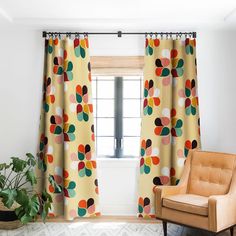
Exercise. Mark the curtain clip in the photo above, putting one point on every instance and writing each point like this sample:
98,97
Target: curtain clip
161,35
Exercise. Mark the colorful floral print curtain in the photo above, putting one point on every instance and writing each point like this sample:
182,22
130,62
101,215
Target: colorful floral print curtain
170,120
67,129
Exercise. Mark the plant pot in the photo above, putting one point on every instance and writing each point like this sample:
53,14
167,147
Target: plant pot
8,218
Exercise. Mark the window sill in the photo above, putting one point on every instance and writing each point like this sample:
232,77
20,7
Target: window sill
106,162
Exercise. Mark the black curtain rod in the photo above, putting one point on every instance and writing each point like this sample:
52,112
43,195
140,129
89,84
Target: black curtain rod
119,33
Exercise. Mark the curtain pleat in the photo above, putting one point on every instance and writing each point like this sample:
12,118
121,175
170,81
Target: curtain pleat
170,120
66,149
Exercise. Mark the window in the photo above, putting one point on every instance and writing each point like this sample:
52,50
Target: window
117,104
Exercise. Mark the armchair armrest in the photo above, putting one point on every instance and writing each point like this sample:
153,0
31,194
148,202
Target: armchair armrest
162,191
221,211
222,208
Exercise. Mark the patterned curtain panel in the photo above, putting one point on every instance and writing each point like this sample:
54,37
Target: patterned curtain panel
170,121
67,129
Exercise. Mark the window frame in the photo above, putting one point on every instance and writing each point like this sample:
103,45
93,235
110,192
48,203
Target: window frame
118,66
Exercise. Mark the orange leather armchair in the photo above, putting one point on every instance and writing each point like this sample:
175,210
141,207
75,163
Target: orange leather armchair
205,197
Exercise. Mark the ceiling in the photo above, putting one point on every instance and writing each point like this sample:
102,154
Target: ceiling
146,15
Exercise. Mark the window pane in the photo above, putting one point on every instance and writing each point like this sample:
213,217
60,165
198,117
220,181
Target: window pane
131,146
131,89
105,146
132,126
131,108
105,108
105,126
105,88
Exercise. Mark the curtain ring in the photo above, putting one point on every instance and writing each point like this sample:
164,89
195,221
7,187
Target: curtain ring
161,35
186,35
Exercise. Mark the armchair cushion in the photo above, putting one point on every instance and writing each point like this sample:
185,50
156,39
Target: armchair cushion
211,173
190,203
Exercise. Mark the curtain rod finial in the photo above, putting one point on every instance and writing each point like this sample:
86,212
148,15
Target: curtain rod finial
44,34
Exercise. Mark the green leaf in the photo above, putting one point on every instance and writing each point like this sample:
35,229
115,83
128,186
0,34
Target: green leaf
8,197
26,218
46,196
45,210
33,205
19,212
2,181
30,176
18,164
4,166
31,159
22,197
30,155
58,188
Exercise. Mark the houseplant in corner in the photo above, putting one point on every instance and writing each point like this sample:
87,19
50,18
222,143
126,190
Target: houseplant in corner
19,202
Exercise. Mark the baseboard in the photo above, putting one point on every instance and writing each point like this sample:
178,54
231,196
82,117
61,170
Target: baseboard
119,210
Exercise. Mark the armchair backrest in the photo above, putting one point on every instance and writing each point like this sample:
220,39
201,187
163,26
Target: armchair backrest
210,173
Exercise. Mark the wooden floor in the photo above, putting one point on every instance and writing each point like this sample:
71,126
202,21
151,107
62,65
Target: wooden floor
173,230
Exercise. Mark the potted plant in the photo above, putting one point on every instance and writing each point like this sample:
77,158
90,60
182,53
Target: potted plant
19,202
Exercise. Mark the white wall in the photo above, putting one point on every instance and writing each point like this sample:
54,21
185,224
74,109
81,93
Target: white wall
217,85
21,58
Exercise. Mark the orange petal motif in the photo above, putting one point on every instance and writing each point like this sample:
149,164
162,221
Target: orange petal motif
82,204
81,148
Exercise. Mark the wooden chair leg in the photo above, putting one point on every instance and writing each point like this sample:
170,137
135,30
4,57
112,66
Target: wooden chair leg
164,224
232,231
